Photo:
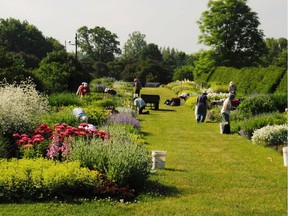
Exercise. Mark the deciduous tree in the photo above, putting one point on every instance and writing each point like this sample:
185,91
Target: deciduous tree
230,27
134,45
98,43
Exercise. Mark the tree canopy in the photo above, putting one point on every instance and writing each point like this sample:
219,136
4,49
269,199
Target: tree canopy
134,45
17,36
230,27
98,43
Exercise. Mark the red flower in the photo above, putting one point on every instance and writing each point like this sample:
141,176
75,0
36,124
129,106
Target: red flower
16,136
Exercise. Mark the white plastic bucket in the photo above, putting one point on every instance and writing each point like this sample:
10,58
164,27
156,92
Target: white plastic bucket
222,125
285,156
158,159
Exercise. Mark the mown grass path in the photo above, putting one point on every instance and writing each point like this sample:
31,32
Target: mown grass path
212,173
206,173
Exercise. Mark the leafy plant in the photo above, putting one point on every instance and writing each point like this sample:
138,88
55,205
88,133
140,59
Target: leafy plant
250,125
64,99
63,115
96,115
120,158
41,179
271,135
255,105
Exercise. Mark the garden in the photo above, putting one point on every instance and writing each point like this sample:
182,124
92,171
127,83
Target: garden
53,158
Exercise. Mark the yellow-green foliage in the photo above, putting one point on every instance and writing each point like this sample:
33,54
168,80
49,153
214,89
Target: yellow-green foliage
96,115
191,101
40,178
62,115
183,86
219,87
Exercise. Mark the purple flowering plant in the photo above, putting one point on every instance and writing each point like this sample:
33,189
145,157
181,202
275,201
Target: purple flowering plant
124,118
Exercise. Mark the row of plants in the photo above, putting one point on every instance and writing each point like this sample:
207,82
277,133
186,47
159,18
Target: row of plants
253,118
115,150
250,80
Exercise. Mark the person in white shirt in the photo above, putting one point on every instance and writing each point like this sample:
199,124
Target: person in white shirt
227,106
80,114
140,105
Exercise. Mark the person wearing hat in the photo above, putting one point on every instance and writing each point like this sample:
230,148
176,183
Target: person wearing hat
232,88
83,90
110,91
201,107
227,106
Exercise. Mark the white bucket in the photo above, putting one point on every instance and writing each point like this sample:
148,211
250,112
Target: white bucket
222,125
158,159
285,156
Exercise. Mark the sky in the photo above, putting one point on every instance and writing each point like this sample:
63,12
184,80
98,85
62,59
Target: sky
166,23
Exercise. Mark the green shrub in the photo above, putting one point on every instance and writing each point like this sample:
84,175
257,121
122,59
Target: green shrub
219,88
64,115
271,135
64,99
4,147
120,158
41,179
250,125
191,102
255,105
128,164
279,101
215,115
99,84
106,102
96,115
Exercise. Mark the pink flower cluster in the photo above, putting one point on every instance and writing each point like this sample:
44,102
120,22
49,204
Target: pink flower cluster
60,137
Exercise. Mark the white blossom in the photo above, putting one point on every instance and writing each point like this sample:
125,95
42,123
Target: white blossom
271,135
21,106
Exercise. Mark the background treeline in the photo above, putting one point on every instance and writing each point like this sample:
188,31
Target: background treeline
26,52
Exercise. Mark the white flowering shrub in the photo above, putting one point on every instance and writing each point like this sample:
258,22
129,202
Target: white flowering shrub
274,135
21,106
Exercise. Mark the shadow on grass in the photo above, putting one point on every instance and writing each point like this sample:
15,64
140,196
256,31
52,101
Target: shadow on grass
177,170
145,133
166,110
155,188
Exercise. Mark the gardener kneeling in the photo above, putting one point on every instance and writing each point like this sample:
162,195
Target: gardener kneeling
140,105
80,115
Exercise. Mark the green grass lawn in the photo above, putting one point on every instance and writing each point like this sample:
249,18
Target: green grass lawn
207,173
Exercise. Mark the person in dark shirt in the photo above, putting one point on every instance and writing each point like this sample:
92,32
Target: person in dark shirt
201,107
137,87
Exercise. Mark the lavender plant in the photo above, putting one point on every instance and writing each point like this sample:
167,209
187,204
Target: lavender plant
124,118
